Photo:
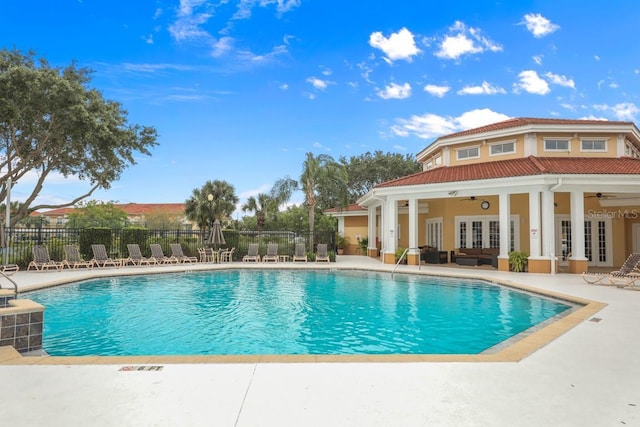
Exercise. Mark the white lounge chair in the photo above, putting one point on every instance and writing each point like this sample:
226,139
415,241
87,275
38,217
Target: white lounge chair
73,259
627,275
101,259
322,255
42,261
177,253
158,254
272,253
300,253
252,253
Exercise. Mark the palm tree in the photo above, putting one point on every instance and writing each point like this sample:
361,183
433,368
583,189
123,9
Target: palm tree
262,206
202,211
318,173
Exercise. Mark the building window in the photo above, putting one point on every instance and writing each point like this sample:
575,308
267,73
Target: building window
598,145
556,145
437,161
502,148
429,165
468,153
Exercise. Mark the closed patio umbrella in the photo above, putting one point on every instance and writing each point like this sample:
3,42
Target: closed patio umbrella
216,238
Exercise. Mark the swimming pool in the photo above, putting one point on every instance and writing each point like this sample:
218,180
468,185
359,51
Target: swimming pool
285,312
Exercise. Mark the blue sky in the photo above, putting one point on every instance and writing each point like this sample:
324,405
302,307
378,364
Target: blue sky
241,90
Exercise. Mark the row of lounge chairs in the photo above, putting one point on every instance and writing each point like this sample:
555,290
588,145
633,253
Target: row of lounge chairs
300,255
627,276
42,260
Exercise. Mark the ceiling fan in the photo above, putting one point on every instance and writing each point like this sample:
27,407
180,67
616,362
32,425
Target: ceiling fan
601,196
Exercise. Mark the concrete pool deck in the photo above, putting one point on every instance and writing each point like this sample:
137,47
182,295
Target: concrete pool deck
587,376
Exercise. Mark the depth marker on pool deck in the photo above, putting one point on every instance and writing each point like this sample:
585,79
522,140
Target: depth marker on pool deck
141,368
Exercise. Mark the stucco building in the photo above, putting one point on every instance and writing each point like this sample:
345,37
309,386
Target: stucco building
567,192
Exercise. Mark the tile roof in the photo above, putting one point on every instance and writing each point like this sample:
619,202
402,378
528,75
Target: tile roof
528,121
520,167
131,209
354,207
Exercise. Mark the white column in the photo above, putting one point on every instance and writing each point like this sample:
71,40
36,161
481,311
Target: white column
413,226
341,225
534,224
577,225
371,227
390,242
549,229
504,210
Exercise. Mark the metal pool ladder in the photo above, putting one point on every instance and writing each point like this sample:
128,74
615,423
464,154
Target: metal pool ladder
404,254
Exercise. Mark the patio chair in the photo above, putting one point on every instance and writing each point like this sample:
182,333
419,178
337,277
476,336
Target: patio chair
158,254
628,274
252,253
322,254
42,261
101,259
177,253
300,253
227,255
73,259
136,258
272,253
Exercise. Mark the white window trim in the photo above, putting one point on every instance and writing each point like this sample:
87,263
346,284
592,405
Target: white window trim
502,143
557,150
467,148
583,150
485,219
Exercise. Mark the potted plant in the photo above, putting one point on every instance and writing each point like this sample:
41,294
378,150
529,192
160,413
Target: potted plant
518,260
399,251
341,243
364,245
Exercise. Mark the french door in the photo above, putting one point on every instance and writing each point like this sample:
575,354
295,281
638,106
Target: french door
597,240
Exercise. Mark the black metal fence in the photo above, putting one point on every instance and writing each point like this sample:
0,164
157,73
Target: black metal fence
20,241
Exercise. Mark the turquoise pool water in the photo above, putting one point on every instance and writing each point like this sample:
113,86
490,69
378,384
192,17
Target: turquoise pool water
284,312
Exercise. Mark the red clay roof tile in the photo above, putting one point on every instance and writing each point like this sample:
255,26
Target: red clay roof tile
520,167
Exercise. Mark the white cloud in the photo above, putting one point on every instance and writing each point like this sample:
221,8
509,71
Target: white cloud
464,41
484,89
538,25
532,83
395,91
399,45
221,47
438,91
537,59
624,111
432,125
560,80
319,83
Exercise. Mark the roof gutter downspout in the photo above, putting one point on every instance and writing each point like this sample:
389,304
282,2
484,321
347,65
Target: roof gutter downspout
552,246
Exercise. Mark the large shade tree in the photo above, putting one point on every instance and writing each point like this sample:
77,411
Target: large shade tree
52,122
94,213
367,170
202,211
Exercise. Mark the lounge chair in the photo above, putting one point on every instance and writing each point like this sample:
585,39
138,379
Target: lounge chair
42,261
177,253
9,269
628,274
226,255
101,259
300,253
158,254
272,253
322,255
73,259
136,258
252,253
